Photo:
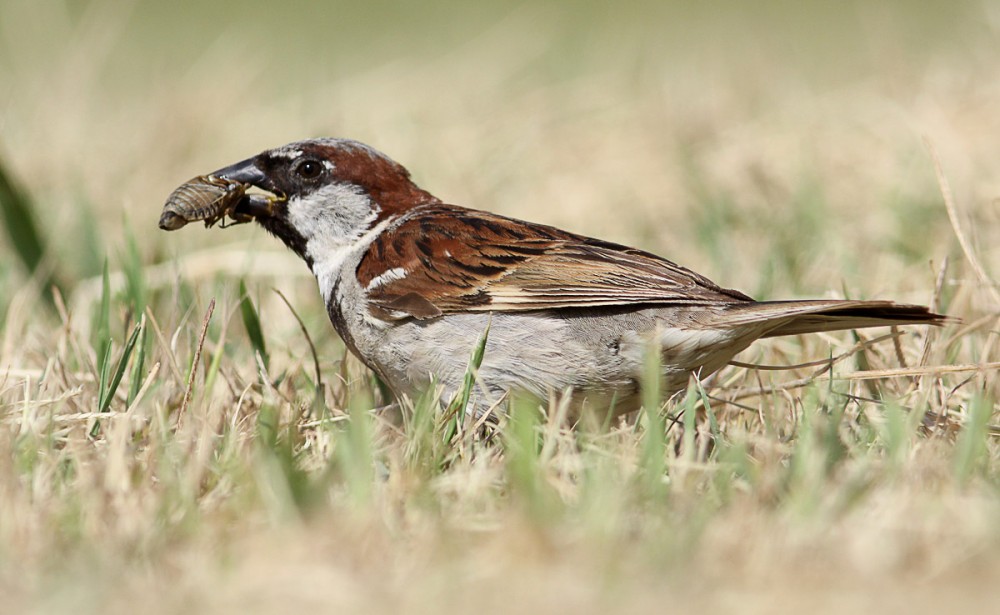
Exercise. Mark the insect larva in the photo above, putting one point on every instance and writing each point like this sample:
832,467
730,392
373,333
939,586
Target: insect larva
205,197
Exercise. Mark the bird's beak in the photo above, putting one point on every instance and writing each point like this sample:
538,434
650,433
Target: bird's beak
246,172
249,173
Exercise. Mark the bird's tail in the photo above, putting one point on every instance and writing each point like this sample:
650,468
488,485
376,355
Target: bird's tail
795,317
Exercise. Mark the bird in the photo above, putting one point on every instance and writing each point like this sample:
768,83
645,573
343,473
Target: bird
412,284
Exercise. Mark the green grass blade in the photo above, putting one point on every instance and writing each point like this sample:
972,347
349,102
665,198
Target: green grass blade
120,368
18,213
19,221
135,284
690,422
108,389
526,469
102,320
713,423
653,452
104,376
970,449
458,405
423,452
354,455
251,322
135,382
651,393
213,367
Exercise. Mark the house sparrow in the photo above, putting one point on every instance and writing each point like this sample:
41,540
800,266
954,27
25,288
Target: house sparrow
411,284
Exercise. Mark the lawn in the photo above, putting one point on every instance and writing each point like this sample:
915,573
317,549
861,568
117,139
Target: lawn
182,431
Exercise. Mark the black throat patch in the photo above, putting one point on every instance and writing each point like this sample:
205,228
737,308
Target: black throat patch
280,228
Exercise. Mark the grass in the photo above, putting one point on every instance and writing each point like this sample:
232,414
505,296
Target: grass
176,436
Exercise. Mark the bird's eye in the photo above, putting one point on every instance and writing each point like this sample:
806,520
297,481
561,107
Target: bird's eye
309,169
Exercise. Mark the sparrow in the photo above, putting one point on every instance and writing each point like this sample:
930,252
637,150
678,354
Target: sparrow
412,283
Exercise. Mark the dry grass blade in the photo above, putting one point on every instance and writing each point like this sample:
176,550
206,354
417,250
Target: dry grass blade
868,375
956,225
194,362
929,370
825,363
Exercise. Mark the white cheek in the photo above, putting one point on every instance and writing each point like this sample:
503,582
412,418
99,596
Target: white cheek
334,221
333,215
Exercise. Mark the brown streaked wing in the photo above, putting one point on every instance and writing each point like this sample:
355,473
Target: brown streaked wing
459,260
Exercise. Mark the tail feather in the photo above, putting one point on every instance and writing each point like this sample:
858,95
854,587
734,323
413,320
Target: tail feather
796,317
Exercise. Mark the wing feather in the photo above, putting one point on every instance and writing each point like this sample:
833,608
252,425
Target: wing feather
459,260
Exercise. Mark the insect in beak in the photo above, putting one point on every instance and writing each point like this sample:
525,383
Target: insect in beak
213,197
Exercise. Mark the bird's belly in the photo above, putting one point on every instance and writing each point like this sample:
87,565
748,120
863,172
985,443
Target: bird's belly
597,356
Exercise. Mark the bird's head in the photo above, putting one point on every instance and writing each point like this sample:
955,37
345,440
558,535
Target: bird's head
332,191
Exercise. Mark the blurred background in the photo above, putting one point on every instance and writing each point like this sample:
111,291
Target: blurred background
783,148
778,146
